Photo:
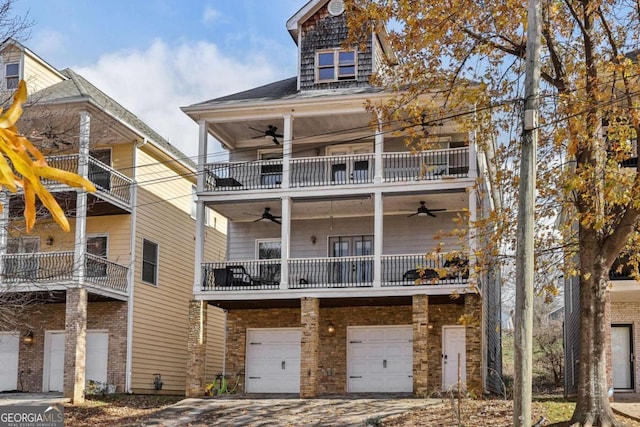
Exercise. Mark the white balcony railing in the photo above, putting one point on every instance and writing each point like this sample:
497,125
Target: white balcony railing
338,170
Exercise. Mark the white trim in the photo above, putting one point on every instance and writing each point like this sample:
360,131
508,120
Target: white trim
336,65
132,277
270,240
106,235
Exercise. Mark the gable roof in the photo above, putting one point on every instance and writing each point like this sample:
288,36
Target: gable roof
78,89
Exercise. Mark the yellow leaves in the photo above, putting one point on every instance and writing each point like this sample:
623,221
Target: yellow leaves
22,165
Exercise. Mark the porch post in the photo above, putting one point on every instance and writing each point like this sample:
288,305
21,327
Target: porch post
473,212
200,209
196,348
80,243
285,235
309,342
473,153
75,344
474,338
421,345
4,229
287,145
378,220
378,150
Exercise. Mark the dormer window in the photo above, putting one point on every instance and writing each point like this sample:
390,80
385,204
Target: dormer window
12,75
334,65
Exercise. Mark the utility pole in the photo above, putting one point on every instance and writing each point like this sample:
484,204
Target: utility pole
523,338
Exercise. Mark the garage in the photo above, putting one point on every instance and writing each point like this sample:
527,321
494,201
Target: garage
96,359
273,360
380,359
9,350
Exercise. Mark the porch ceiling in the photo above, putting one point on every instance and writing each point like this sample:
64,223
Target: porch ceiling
397,204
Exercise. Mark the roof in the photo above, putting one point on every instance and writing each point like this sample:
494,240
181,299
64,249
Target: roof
279,91
78,89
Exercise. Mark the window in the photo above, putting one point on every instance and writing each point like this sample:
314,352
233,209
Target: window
98,174
270,173
336,65
12,75
149,262
97,245
23,266
269,249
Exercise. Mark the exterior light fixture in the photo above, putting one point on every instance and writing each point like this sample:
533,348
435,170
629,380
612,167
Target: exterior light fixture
49,240
331,329
27,338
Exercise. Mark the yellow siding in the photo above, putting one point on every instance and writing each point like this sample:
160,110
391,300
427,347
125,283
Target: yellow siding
215,343
160,312
37,75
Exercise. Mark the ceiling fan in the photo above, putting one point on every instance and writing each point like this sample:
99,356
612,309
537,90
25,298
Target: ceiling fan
424,211
269,216
271,131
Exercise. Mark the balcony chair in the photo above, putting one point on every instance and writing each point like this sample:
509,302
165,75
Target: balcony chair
429,276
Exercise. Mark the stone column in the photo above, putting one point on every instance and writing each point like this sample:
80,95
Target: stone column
196,348
420,345
473,312
309,342
75,344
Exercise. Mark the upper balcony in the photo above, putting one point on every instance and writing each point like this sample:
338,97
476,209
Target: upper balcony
50,271
328,171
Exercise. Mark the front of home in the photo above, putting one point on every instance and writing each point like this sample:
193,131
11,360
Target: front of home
326,281
103,307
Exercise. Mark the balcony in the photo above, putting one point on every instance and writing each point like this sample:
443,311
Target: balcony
110,184
55,270
332,273
326,171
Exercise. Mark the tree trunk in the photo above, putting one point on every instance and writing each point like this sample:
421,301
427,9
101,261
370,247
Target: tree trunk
592,405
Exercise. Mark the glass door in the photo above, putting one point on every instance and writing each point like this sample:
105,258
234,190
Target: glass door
97,245
351,270
270,173
351,168
270,249
22,266
97,174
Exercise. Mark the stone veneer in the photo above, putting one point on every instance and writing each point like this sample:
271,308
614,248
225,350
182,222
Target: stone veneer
309,342
332,354
197,348
75,348
108,316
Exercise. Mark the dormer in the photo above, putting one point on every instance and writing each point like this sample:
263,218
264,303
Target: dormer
319,30
19,63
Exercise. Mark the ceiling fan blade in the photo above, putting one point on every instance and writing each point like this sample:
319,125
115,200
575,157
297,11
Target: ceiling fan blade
275,141
259,219
437,210
276,221
430,214
413,214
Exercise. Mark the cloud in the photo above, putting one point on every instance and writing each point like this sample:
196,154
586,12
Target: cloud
210,15
154,83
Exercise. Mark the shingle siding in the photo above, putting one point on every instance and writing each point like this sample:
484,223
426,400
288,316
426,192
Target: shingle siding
323,31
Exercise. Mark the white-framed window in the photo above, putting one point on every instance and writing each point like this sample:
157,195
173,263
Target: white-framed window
97,244
22,266
12,75
270,174
269,249
150,257
335,64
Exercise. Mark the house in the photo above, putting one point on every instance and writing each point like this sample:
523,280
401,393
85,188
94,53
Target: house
623,374
108,302
329,221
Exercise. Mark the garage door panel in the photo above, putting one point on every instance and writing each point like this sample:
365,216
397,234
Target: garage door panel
9,356
380,359
273,361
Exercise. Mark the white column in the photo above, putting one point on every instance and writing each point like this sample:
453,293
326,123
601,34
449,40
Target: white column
4,228
287,149
473,163
200,209
378,221
285,236
378,150
473,215
81,204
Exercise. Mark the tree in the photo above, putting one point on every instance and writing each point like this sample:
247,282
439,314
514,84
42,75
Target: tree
469,52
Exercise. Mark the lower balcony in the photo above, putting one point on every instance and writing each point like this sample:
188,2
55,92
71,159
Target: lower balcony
336,273
55,271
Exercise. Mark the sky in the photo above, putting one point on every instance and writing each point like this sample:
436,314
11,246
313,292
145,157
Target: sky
155,56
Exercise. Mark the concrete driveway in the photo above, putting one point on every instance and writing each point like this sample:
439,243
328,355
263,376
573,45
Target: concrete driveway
31,399
242,411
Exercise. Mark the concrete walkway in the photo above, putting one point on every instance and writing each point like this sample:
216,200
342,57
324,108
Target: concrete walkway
31,399
326,411
627,404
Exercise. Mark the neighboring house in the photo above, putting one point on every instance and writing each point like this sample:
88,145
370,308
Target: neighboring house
109,301
623,374
328,221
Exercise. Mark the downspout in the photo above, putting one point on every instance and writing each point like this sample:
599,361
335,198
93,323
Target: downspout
132,265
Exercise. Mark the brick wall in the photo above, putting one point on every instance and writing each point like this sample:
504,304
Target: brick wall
197,348
309,342
111,316
473,311
332,358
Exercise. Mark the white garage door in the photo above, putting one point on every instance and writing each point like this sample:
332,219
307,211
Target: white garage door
380,359
96,358
9,348
273,361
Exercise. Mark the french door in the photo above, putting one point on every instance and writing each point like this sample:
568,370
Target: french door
352,269
351,168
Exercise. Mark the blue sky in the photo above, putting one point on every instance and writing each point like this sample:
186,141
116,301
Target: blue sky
154,56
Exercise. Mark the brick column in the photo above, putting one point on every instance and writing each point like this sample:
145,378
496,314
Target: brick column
473,311
196,348
420,345
75,344
309,322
